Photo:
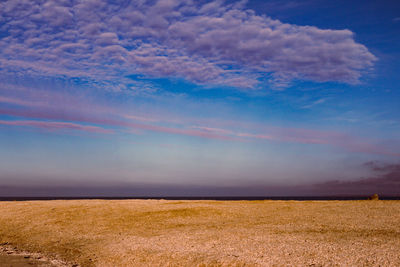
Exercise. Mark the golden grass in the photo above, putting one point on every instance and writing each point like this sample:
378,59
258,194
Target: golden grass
206,233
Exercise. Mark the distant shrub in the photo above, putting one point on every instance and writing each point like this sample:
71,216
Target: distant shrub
374,197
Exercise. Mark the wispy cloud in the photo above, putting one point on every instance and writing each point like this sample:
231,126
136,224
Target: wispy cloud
56,125
212,43
51,105
214,130
16,101
141,118
314,103
122,122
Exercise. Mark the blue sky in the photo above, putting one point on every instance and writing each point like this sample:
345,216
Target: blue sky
209,97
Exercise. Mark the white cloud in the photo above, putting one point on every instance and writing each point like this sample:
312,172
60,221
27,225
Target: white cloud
214,43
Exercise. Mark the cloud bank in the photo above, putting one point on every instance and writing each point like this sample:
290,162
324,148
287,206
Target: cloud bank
212,43
384,181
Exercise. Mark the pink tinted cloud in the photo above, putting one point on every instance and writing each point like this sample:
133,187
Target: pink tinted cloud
141,118
272,134
55,125
112,122
308,136
15,101
54,115
180,131
214,130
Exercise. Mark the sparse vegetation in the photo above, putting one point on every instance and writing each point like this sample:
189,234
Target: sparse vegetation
206,233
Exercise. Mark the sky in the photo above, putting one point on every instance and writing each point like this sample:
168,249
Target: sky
199,98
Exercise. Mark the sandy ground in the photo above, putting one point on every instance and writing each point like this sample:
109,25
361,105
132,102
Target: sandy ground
11,256
20,261
206,233
16,261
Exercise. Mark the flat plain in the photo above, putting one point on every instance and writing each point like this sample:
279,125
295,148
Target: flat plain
205,233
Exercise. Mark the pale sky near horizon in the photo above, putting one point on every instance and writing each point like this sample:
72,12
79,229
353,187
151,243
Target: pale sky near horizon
200,94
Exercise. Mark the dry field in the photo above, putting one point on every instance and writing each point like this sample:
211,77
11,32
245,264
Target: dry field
206,233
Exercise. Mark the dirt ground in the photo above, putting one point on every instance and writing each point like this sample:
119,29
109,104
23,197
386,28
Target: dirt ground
11,256
205,233
19,261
